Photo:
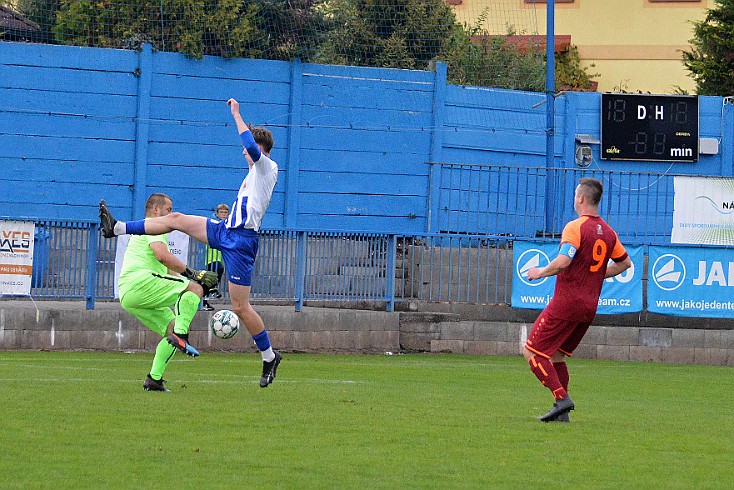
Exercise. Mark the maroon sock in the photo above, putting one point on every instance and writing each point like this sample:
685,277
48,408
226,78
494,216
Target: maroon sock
562,372
543,369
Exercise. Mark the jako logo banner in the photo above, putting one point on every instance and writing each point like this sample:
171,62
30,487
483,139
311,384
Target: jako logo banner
620,294
691,282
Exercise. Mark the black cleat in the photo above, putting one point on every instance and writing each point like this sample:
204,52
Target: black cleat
207,307
106,220
269,369
563,418
182,345
562,406
151,384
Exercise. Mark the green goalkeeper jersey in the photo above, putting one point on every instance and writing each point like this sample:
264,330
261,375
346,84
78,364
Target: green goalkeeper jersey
139,257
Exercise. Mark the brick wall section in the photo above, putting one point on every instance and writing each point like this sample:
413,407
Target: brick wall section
641,344
67,326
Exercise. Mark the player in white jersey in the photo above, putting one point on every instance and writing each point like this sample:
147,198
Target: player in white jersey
236,237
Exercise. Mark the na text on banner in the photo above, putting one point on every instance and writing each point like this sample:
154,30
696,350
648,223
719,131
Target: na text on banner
703,211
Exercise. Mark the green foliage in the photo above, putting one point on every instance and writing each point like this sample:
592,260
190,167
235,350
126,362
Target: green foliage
43,13
385,33
475,58
292,29
569,72
192,27
711,58
407,34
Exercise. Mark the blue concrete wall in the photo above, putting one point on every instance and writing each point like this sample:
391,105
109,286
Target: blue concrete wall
352,144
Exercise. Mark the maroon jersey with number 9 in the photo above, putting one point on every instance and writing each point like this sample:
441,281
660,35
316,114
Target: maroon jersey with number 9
578,287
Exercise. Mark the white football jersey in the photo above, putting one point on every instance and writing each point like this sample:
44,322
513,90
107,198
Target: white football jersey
254,195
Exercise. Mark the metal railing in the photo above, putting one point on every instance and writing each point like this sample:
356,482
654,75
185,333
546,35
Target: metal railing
480,209
73,261
531,202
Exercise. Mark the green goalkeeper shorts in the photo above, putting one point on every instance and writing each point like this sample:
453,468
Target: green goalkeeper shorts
149,297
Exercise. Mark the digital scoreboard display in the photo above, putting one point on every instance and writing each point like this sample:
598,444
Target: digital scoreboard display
649,127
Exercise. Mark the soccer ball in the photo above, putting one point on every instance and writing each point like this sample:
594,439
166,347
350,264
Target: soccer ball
224,324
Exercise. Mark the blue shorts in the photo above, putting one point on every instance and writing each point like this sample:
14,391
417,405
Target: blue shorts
238,247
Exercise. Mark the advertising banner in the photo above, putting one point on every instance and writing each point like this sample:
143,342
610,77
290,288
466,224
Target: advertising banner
693,282
703,212
16,257
178,243
620,294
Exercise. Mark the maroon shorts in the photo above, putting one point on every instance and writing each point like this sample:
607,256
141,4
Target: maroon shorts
550,335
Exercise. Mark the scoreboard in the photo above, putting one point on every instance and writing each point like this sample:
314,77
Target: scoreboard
649,127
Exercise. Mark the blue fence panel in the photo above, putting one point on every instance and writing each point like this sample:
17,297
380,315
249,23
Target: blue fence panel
454,268
343,266
511,201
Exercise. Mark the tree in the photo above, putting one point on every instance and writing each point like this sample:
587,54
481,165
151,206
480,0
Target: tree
476,58
711,59
570,75
406,34
192,27
293,28
43,13
385,33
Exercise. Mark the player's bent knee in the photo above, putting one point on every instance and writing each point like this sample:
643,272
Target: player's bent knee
527,354
195,288
242,311
174,218
558,357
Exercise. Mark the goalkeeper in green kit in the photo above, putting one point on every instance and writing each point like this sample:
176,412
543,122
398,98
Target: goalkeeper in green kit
150,285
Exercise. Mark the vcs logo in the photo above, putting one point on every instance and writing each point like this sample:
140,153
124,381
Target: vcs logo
14,241
668,272
526,261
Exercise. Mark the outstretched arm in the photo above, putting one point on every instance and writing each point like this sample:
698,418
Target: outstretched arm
248,141
234,108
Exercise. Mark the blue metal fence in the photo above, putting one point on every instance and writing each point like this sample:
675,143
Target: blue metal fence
489,200
481,209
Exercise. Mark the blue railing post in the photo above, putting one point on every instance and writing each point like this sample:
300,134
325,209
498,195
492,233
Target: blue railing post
301,257
91,272
392,251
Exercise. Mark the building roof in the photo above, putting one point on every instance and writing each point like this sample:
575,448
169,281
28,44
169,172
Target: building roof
16,25
524,43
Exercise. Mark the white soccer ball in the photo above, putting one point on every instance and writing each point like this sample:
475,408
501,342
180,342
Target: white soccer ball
224,324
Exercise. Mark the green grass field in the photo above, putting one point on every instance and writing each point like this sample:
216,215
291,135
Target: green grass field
82,420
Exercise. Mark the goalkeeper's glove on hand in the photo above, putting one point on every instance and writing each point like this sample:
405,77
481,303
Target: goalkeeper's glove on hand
207,279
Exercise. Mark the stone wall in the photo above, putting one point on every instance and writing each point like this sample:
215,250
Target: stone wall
462,329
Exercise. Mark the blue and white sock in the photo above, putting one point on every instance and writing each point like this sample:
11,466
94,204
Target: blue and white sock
263,345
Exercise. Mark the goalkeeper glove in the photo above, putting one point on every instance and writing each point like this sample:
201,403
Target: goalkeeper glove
207,279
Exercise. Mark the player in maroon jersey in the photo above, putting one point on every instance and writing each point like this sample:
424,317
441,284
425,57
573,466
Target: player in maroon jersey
587,244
